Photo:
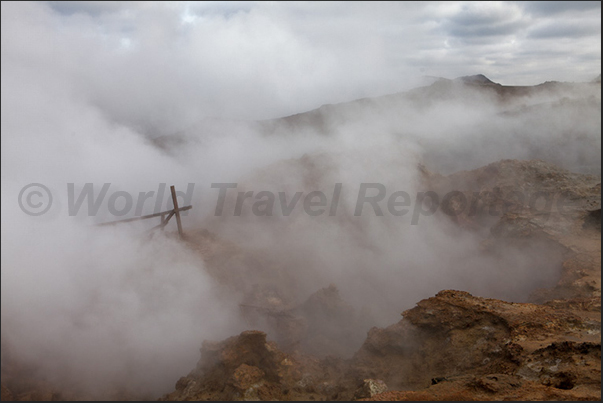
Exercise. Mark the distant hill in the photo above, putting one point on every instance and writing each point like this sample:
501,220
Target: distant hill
471,91
477,79
503,121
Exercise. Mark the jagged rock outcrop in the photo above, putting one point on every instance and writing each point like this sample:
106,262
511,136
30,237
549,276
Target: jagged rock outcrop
248,367
449,346
455,334
454,345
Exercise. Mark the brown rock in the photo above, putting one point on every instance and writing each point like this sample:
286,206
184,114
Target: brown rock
246,376
370,388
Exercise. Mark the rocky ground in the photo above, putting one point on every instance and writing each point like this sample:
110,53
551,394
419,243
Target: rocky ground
452,346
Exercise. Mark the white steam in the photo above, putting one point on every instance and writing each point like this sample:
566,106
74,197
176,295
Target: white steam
98,309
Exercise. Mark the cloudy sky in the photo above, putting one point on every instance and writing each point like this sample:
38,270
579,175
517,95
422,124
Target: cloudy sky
180,62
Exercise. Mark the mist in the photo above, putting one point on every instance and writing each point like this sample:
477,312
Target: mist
109,310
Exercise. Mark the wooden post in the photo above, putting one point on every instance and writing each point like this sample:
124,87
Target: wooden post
175,200
166,214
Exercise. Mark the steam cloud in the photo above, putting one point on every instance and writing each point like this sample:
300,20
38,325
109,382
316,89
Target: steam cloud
99,309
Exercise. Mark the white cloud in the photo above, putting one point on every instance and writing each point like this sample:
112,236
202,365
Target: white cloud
182,62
